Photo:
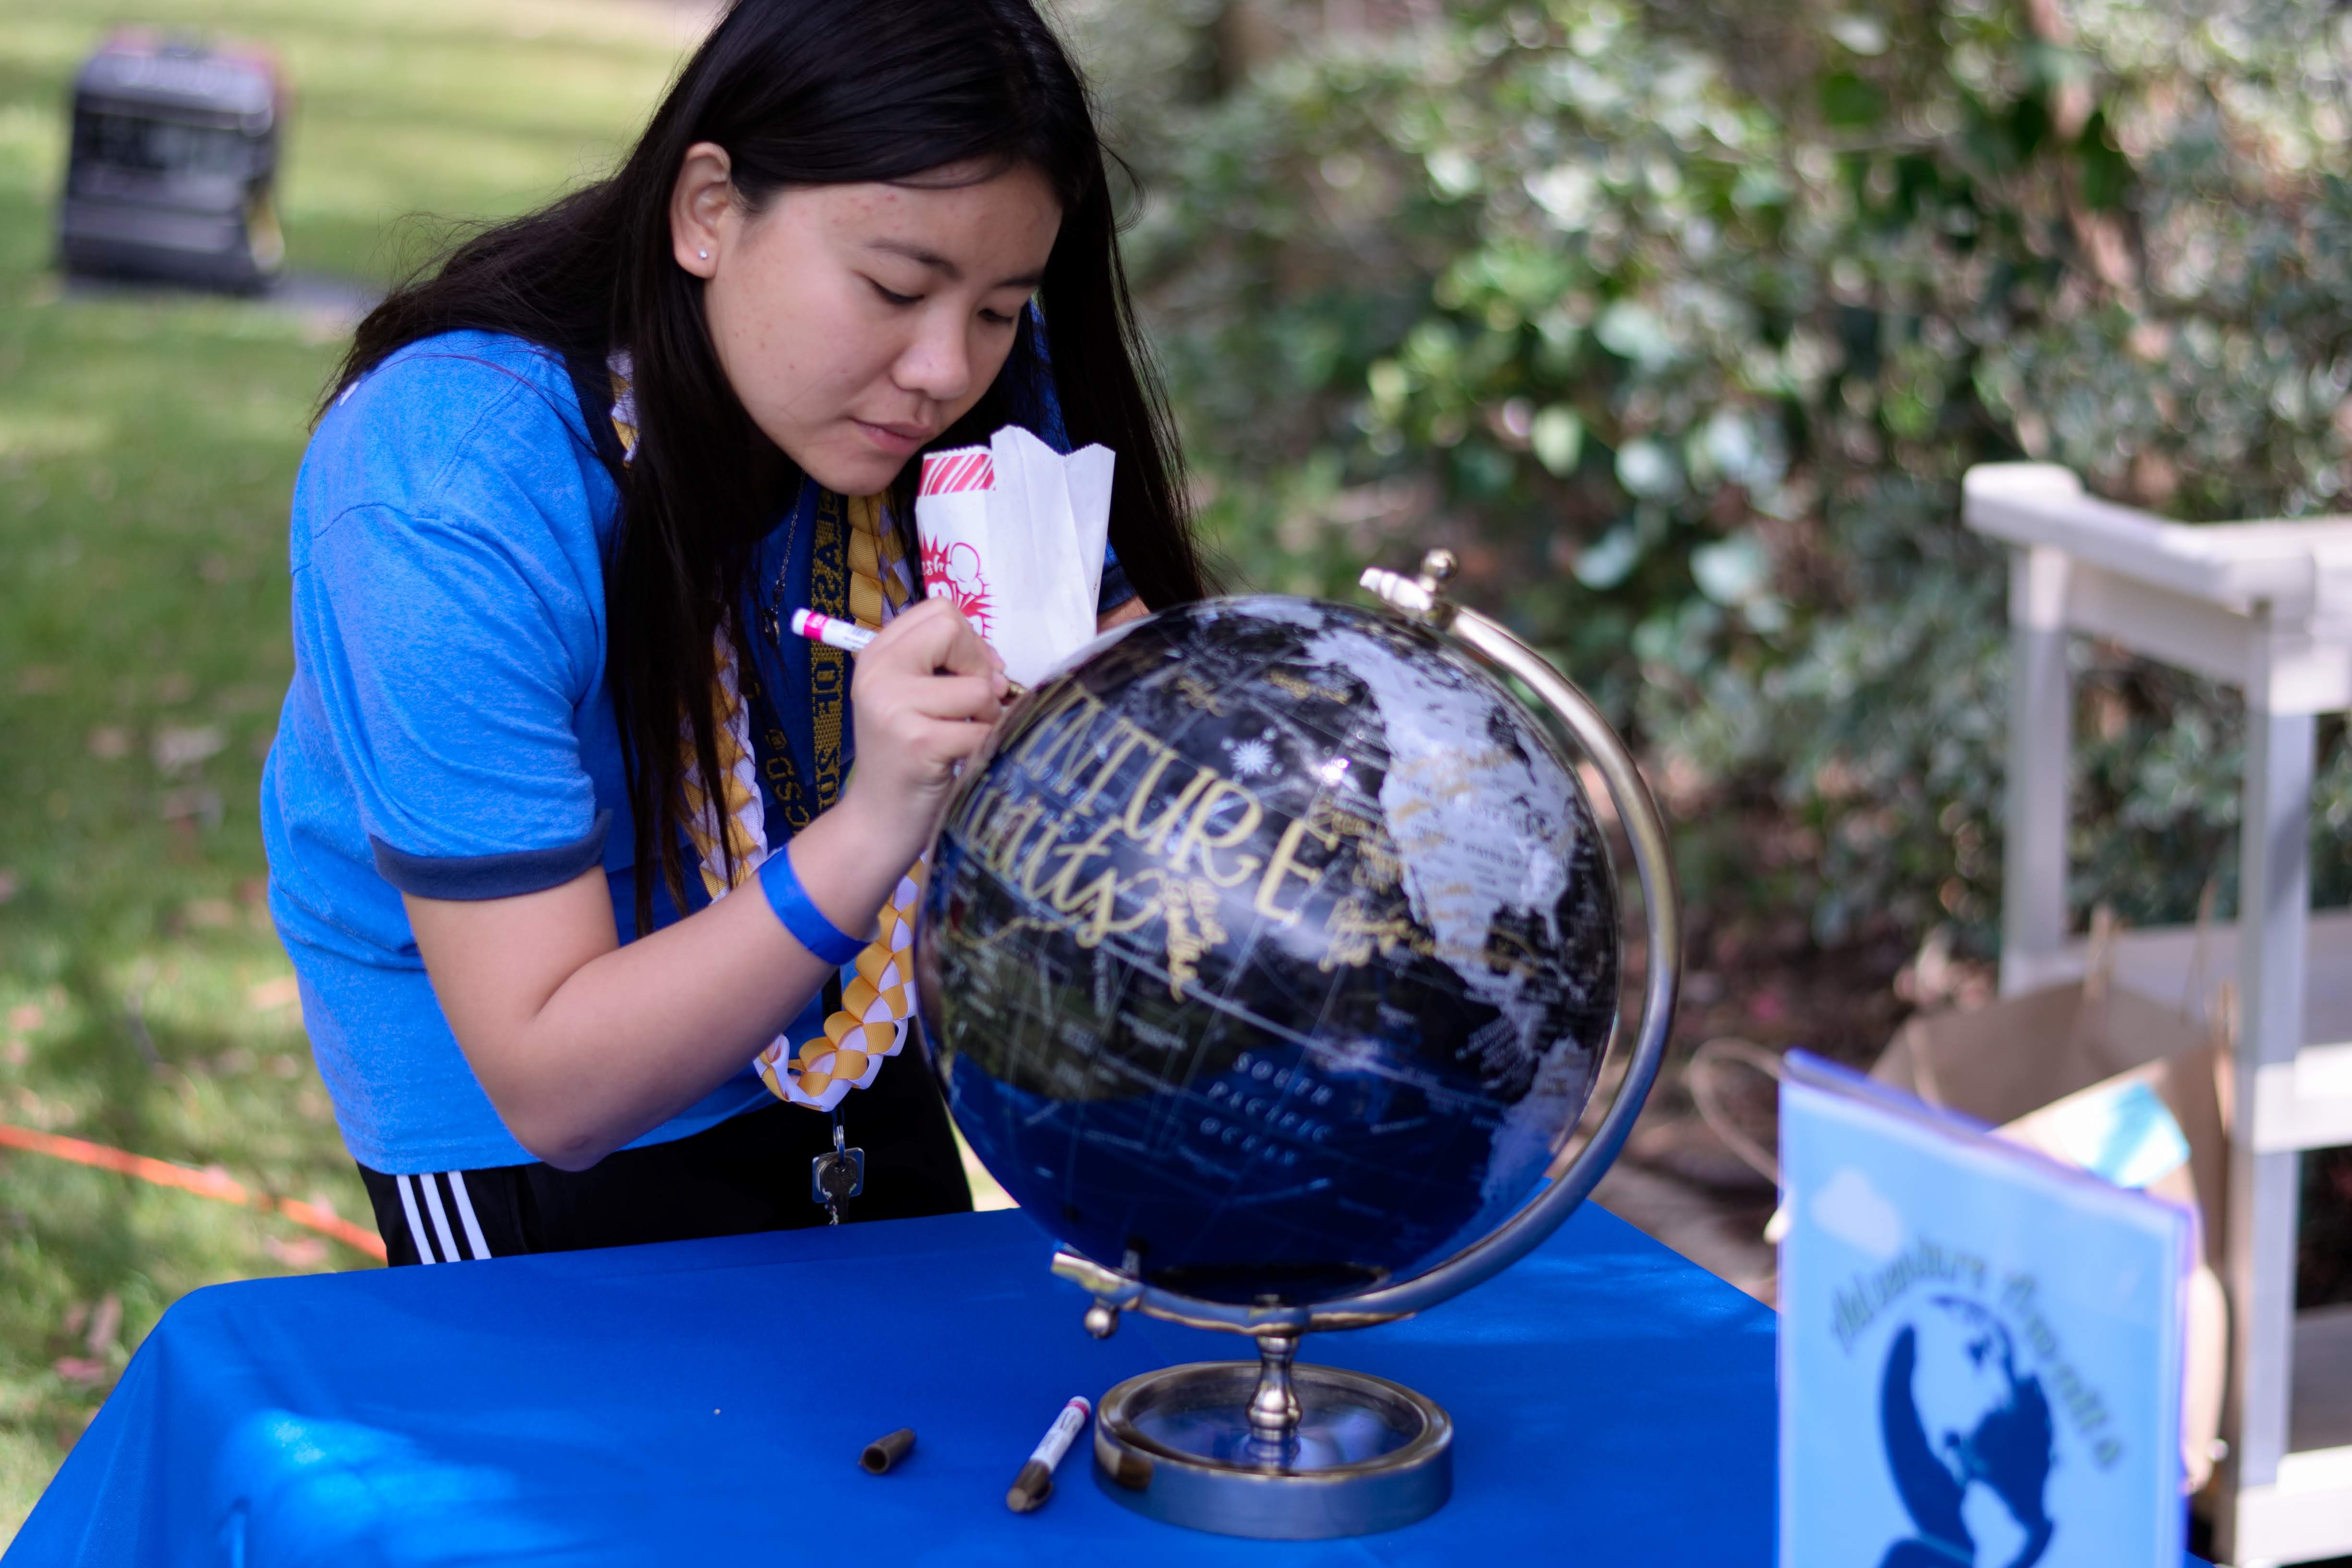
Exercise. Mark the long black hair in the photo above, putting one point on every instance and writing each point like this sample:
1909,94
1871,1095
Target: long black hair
800,92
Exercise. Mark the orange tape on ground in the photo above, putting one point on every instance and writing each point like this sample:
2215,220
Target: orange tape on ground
203,1184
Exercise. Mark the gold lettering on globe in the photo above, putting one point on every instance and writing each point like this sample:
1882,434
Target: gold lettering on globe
1082,789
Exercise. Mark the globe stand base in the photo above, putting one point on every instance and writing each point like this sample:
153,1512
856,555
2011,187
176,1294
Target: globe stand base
1366,1454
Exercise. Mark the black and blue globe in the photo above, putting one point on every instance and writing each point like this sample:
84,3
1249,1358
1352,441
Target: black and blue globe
1271,952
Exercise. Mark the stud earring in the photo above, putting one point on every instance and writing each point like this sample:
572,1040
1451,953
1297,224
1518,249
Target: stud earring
703,253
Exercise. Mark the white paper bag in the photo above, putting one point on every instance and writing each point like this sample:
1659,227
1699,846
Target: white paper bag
1013,533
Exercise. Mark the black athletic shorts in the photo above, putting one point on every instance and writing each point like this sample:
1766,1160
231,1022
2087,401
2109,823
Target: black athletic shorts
749,1172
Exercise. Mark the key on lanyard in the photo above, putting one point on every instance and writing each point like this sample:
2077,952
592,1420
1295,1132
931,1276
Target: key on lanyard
836,1178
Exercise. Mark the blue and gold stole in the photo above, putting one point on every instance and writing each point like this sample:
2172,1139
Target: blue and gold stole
855,567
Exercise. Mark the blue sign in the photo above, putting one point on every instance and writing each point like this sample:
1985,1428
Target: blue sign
1982,1349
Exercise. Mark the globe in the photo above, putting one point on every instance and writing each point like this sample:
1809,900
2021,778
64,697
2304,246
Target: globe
1270,953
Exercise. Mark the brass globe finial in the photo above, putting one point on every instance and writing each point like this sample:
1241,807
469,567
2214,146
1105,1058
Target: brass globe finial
1437,569
1424,597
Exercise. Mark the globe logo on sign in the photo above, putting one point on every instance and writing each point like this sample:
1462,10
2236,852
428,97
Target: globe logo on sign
1968,1440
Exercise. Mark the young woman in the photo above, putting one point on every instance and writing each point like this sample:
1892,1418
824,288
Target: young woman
601,937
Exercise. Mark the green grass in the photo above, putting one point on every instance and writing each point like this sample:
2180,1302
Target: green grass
148,447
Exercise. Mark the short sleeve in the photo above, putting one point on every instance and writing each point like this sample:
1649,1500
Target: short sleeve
453,645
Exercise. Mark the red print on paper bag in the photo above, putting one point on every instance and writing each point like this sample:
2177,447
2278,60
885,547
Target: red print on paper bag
954,570
952,472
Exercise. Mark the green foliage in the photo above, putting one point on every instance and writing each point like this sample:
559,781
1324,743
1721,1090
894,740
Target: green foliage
1681,324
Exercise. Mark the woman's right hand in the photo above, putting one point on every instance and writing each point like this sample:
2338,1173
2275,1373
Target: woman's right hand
583,1045
924,697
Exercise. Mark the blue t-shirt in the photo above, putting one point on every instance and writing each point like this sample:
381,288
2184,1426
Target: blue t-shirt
448,731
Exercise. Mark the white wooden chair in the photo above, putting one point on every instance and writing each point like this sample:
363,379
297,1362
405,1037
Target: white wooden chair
2267,607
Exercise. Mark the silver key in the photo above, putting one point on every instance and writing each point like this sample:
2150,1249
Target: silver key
836,1178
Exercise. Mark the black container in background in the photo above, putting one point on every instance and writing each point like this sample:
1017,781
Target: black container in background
172,161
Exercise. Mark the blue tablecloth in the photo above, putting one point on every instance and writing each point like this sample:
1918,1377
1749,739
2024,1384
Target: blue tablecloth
706,1402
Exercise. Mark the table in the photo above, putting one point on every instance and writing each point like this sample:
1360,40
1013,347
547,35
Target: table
706,1402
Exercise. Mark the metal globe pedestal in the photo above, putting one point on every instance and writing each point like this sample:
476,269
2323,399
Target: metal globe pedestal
1279,1452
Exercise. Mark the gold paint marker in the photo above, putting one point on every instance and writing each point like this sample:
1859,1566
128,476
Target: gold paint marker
1034,1484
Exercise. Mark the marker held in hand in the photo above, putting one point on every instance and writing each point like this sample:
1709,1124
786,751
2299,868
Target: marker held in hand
845,635
851,638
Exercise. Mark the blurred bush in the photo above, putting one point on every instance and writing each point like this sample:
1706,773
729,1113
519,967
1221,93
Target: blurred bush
1681,321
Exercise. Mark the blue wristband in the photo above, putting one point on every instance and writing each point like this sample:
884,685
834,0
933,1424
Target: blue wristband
800,915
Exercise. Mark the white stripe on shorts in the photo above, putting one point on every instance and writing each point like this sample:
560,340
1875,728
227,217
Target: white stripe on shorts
440,1221
416,1225
466,1214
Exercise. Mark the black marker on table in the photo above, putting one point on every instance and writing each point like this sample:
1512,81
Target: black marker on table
1034,1484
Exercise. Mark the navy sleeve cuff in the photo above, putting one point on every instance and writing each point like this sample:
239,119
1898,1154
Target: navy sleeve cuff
1115,590
475,877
